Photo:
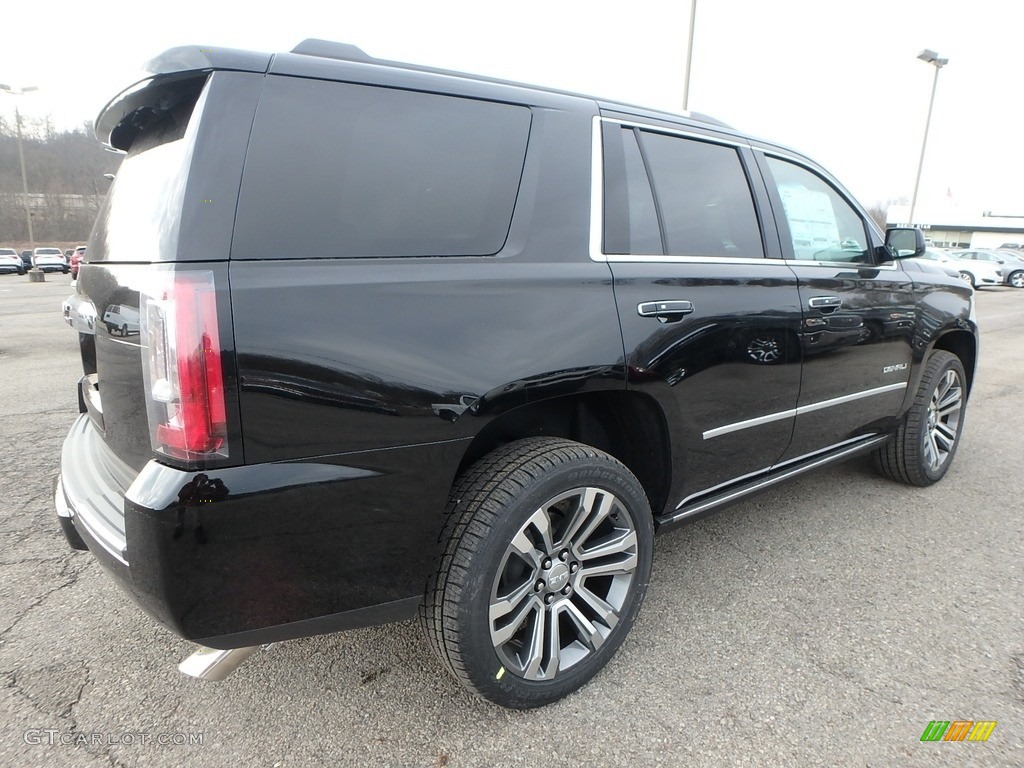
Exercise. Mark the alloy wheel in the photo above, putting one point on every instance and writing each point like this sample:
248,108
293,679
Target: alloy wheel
563,583
944,411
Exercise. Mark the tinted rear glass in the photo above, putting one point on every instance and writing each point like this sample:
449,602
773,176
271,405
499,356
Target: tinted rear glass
335,169
140,217
706,204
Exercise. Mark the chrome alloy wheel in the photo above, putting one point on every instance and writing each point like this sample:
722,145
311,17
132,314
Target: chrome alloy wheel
562,583
943,420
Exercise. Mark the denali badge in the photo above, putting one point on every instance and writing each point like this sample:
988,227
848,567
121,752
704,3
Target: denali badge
897,367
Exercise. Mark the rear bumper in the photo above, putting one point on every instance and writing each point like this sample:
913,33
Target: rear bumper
262,553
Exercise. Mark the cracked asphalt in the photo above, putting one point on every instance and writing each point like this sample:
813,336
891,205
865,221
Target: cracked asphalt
825,622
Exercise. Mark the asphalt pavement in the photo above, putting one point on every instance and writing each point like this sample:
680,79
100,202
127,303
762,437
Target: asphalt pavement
825,622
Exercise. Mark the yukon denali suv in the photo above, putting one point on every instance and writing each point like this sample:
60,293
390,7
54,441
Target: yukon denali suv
376,341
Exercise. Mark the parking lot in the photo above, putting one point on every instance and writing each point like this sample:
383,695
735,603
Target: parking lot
825,622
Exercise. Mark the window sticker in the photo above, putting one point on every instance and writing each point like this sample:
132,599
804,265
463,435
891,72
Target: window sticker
812,220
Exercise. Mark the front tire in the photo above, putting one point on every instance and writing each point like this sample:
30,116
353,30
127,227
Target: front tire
922,450
546,556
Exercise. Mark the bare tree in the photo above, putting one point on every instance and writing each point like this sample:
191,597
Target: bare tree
65,172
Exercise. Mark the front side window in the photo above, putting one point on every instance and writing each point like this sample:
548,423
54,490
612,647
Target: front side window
823,226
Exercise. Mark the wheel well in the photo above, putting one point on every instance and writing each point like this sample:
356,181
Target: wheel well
965,346
628,425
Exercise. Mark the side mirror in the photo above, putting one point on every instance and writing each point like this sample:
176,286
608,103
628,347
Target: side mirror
904,242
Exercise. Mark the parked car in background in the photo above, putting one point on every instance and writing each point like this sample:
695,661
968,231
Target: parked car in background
76,258
26,259
10,261
1009,263
49,260
975,273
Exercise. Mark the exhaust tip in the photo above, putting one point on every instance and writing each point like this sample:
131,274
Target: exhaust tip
215,664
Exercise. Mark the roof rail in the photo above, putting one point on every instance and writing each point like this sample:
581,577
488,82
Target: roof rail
327,49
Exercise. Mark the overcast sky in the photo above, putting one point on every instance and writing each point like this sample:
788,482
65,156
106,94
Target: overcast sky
835,79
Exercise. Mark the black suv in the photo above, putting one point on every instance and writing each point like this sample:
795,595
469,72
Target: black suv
414,342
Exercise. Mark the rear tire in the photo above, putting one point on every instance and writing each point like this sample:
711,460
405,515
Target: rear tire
545,559
922,450
1016,279
968,278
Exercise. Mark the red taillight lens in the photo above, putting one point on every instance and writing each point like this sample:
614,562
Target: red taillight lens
182,359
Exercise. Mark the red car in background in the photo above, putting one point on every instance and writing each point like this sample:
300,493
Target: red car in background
75,260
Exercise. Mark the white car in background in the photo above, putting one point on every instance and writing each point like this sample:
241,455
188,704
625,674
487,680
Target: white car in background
49,260
1009,264
10,261
975,273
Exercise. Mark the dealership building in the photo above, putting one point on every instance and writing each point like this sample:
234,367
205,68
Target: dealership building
952,228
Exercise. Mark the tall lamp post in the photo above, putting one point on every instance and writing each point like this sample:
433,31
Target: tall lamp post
15,91
689,57
929,57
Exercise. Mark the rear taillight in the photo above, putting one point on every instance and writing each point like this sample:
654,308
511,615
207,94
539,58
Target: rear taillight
182,366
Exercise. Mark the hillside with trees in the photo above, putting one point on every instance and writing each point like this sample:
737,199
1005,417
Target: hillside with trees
65,172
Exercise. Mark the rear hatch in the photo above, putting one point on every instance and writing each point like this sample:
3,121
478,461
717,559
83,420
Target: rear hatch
160,366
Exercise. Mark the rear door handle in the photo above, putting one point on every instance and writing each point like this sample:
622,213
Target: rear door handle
825,302
664,309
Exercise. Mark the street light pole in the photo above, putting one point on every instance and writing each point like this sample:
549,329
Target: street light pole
15,91
930,57
689,57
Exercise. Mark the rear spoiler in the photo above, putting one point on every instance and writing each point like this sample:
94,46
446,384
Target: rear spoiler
177,77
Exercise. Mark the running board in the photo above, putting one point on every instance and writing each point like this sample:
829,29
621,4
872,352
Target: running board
734,493
215,664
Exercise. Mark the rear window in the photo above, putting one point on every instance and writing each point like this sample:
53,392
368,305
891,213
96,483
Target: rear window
140,217
335,169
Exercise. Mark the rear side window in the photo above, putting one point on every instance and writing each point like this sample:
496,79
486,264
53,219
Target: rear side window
703,197
669,194
335,169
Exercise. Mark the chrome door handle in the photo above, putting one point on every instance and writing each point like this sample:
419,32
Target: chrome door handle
825,302
668,308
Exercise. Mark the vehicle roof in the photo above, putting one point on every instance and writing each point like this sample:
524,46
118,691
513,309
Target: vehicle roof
336,60
197,58
329,60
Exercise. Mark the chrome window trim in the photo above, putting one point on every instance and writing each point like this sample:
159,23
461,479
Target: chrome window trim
596,244
713,139
800,410
597,192
662,259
